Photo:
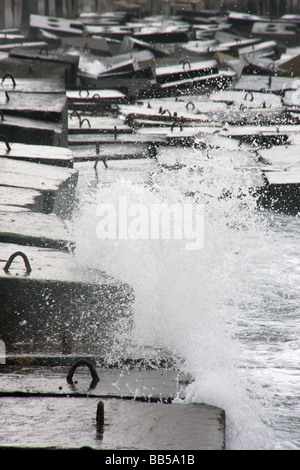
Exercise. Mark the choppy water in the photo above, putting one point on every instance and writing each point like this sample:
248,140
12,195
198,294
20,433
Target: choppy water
229,312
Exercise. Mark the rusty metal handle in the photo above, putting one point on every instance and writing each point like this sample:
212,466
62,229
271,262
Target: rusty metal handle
184,62
100,417
9,75
11,259
87,92
44,48
179,123
190,103
83,362
249,93
4,139
100,159
36,58
83,120
75,113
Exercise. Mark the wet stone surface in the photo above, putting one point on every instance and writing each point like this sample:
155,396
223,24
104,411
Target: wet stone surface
138,413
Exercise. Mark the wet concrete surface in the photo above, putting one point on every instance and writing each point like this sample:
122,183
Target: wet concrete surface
142,410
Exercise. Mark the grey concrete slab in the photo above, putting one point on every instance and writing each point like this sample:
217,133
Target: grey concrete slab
290,177
32,85
114,382
33,229
128,425
30,131
50,107
58,156
55,185
23,197
284,157
55,304
109,151
139,410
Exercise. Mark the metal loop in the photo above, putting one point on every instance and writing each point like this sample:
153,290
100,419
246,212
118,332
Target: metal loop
166,111
100,417
83,362
178,123
44,48
100,159
9,75
76,113
13,256
87,91
96,96
2,116
83,120
190,103
250,93
184,62
4,139
96,162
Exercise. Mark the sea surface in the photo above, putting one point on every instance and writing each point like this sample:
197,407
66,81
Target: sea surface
226,313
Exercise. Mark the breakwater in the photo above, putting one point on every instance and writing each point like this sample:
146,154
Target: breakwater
140,95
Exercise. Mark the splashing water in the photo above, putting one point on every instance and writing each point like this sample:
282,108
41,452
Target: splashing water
213,310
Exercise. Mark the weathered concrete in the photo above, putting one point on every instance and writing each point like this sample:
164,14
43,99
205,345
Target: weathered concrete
58,156
30,131
58,25
68,61
282,192
12,84
128,424
135,381
21,197
33,228
109,152
85,124
284,157
56,185
49,107
138,411
57,299
110,138
96,45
